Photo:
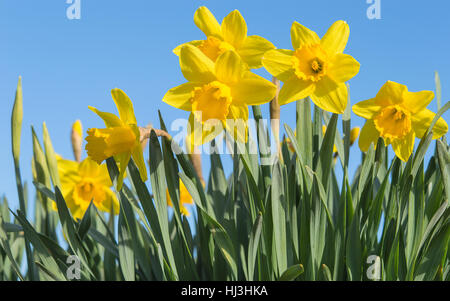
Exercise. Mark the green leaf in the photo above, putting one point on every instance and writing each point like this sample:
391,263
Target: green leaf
86,221
39,247
253,245
69,229
435,256
278,205
304,131
219,233
104,241
326,151
353,255
16,130
126,254
50,156
4,244
292,272
444,165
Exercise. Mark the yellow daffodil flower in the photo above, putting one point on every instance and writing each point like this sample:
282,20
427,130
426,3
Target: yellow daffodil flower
185,198
231,35
84,182
217,94
398,116
120,139
316,67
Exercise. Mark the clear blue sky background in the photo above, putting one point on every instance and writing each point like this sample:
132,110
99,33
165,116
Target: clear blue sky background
67,65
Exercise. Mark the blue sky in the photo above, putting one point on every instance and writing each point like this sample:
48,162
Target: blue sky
67,65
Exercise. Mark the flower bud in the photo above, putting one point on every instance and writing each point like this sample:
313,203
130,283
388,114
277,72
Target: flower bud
77,139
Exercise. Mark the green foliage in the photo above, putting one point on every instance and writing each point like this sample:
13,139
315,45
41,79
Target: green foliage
293,220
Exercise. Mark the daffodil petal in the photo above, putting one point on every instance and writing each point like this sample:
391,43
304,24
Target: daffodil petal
185,196
369,134
195,65
253,49
253,90
179,97
335,40
295,89
88,168
344,67
236,123
198,134
103,175
109,119
421,122
367,108
124,106
206,22
77,211
300,35
68,173
234,29
278,62
67,166
138,158
404,147
229,67
330,96
122,160
354,134
417,101
110,202
390,93
195,43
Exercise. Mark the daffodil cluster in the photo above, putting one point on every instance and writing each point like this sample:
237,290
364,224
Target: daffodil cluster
220,86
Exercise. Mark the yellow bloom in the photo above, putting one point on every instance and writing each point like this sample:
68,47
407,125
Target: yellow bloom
316,67
354,134
231,35
84,182
398,116
185,198
120,139
217,94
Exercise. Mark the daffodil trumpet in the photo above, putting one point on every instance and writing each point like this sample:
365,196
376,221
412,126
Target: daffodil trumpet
120,139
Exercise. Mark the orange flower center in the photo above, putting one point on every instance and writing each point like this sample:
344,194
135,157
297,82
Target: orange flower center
393,122
211,102
86,191
212,47
310,62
